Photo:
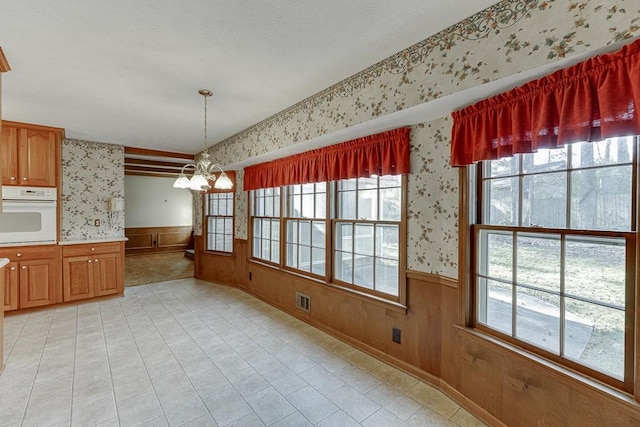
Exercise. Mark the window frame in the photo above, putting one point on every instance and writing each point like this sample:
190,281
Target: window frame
331,220
253,195
206,217
472,213
288,218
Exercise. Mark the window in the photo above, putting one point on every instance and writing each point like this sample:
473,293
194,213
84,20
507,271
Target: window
266,224
219,221
306,227
554,263
367,233
357,223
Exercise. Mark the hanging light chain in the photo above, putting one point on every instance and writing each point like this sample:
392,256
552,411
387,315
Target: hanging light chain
205,122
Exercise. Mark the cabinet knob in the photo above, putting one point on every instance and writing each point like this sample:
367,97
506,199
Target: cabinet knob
13,268
24,267
89,261
93,249
13,178
24,178
18,254
96,260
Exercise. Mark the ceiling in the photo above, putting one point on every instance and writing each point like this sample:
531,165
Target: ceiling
128,72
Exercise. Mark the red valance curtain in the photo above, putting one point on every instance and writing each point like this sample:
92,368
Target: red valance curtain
590,101
386,153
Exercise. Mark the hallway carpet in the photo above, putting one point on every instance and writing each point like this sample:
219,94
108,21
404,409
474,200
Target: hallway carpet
155,268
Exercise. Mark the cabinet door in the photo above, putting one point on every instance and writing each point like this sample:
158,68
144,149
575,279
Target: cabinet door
77,279
37,151
107,277
9,155
11,286
37,280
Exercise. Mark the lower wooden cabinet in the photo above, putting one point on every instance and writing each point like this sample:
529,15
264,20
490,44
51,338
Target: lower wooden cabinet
31,277
92,270
10,273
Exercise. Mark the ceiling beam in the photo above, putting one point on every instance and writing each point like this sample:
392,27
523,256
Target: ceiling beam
156,153
132,161
154,174
131,168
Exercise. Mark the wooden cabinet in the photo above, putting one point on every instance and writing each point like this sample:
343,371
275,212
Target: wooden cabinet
31,276
92,270
10,274
30,154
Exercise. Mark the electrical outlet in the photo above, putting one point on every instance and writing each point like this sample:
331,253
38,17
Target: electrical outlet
96,223
250,276
396,335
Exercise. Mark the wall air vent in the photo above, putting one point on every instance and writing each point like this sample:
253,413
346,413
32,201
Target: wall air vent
303,302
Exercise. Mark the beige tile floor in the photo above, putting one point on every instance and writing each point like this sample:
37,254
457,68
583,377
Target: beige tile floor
193,353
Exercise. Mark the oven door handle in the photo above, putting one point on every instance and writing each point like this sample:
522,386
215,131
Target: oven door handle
29,204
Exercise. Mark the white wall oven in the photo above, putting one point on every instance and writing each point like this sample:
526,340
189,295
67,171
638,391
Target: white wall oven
29,215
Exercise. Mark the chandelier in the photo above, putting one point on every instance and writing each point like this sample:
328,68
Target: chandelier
203,169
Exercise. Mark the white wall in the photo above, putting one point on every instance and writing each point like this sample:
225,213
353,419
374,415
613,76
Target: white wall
153,202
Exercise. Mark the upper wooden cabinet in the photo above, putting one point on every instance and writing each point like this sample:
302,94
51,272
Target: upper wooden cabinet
30,154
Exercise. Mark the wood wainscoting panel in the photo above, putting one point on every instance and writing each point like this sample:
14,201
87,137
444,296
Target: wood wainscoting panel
158,239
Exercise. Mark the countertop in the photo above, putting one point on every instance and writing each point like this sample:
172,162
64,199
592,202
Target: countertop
80,240
3,262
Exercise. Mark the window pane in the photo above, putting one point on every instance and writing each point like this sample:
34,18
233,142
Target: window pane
308,207
544,200
607,152
363,274
387,241
545,160
268,206
601,198
390,204
230,205
256,247
501,201
538,261
495,305
391,181
210,242
347,184
363,241
504,166
387,276
292,255
344,237
594,336
321,205
266,228
228,243
343,266
266,249
295,206
347,205
305,233
318,236
496,255
220,225
367,204
257,227
595,269
292,231
275,230
304,260
364,183
219,242
318,262
538,319
259,206
228,226
275,252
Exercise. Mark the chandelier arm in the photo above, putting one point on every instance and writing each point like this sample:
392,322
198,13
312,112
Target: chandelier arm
186,166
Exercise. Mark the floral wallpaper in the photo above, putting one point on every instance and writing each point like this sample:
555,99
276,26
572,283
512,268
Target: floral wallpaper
432,223
92,173
505,39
